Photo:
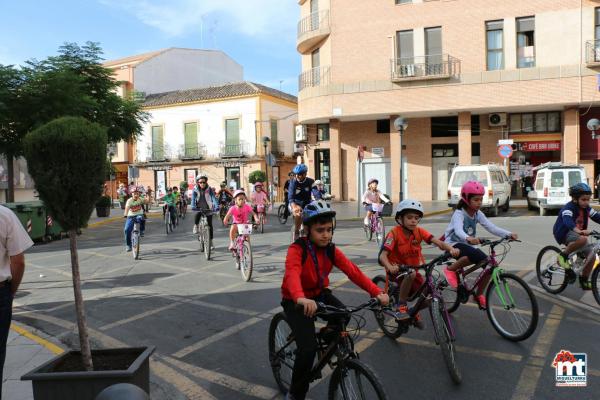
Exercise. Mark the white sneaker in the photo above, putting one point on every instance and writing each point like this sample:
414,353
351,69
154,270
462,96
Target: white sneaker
195,230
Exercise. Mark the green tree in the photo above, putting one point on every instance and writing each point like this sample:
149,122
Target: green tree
10,81
67,160
257,176
73,83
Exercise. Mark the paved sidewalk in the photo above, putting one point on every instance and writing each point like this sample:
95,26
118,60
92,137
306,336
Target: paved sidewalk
349,209
24,352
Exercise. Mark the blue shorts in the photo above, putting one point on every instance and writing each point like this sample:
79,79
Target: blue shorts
474,255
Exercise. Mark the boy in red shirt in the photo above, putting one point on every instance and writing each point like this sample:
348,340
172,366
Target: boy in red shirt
402,246
305,282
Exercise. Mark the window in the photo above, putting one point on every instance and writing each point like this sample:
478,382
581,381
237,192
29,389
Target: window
274,134
405,46
475,149
597,23
495,177
539,181
495,45
526,42
574,178
444,126
158,149
475,126
444,150
322,132
232,132
403,1
190,132
535,122
461,177
557,179
315,59
383,126
433,50
314,15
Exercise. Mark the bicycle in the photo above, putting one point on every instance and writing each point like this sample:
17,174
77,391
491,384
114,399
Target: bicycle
242,251
283,213
554,278
136,237
223,209
375,224
505,292
351,378
169,219
262,217
428,295
204,235
182,208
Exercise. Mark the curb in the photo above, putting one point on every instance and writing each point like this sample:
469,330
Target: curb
26,331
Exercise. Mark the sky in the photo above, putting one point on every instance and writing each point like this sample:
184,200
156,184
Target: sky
258,34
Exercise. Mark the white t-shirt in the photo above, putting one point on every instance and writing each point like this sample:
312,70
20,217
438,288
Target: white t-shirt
14,240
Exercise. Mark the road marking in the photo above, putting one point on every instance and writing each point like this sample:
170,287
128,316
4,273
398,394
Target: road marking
138,316
533,369
562,301
182,384
30,335
241,386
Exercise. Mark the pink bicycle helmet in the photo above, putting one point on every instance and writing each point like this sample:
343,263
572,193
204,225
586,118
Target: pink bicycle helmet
258,184
238,192
373,180
471,188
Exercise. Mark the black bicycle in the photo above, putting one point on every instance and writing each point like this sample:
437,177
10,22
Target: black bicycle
351,378
429,295
283,213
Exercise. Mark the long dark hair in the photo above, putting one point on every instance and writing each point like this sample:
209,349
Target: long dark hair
462,204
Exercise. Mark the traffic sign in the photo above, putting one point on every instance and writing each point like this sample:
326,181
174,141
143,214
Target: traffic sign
505,141
505,151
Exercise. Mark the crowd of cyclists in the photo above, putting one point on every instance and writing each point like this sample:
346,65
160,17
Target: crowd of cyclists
312,254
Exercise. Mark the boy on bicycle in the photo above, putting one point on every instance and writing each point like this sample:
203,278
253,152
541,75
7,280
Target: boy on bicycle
402,246
571,229
170,201
308,263
134,211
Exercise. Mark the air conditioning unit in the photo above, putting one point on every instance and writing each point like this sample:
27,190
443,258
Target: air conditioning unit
497,119
301,133
299,148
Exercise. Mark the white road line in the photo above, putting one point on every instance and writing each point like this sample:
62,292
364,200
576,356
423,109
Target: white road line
138,316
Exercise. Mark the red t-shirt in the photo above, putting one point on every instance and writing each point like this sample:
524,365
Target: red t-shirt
406,250
302,280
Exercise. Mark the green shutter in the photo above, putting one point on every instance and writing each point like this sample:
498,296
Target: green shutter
191,139
274,143
232,136
157,143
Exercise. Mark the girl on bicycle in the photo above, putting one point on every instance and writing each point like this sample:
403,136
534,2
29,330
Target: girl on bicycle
372,196
134,210
240,212
461,233
259,197
402,246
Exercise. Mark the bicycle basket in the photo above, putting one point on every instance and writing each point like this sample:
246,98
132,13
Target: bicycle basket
244,229
377,207
260,208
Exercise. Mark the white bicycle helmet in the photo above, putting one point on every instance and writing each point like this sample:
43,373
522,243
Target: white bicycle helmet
409,205
316,209
318,182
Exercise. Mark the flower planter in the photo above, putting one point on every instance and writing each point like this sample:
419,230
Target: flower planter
102,212
63,378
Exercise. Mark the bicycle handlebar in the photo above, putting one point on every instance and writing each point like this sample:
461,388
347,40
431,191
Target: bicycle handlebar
494,243
324,309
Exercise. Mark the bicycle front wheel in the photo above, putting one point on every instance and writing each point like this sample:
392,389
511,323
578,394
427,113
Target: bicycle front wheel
135,239
550,274
282,215
354,380
388,324
511,307
379,231
262,223
368,231
596,282
167,222
246,262
207,243
282,351
444,339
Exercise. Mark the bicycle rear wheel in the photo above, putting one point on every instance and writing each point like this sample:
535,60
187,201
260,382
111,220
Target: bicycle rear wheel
282,351
388,324
368,231
167,222
262,222
352,380
444,339
183,210
596,283
511,307
379,231
246,262
549,273
282,214
207,242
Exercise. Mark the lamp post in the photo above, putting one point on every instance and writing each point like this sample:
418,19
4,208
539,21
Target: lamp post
401,124
266,141
594,125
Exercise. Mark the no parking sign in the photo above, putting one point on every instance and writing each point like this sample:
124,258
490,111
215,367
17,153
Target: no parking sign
505,151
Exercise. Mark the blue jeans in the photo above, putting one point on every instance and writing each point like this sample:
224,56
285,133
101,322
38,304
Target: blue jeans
129,227
5,318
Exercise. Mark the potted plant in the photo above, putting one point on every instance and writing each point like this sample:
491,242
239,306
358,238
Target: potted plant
103,206
257,176
50,150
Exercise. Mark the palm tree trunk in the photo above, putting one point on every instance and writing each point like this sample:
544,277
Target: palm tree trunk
10,167
84,341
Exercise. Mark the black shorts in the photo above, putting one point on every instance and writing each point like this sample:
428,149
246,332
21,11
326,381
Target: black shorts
474,255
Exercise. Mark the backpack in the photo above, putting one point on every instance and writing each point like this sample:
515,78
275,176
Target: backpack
329,250
417,235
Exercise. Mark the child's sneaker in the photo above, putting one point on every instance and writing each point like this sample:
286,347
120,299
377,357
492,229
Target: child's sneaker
585,283
480,299
451,278
563,261
402,312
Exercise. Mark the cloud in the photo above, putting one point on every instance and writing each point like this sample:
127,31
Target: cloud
179,17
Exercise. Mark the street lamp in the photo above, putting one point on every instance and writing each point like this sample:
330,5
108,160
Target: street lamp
594,125
266,141
401,124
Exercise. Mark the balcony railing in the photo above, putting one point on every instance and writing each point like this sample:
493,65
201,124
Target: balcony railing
157,154
278,147
592,52
440,66
192,152
319,76
234,150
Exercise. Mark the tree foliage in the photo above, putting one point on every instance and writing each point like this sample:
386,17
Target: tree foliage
257,176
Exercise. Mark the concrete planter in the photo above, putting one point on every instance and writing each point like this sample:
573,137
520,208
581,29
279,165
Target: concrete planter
57,380
102,212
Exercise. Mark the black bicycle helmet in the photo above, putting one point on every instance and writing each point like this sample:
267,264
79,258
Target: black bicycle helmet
580,189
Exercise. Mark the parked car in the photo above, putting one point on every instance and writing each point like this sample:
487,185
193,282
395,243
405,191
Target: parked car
492,176
552,183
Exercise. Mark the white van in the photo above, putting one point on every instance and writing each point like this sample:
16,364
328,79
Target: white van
552,183
492,176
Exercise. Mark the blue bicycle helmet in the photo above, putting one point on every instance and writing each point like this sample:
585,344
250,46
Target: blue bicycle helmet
300,169
316,209
579,189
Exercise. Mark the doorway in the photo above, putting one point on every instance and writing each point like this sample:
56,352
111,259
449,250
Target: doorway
232,177
323,168
381,169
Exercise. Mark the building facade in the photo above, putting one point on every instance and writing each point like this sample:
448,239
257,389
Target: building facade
218,131
464,73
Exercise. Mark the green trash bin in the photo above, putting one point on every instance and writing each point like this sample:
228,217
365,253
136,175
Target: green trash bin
53,228
32,215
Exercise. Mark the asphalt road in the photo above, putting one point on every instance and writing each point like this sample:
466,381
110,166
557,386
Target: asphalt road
210,327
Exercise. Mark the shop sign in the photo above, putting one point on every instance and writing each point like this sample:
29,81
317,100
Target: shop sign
159,167
231,164
539,146
377,151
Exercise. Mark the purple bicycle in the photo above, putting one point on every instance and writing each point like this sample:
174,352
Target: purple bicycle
428,295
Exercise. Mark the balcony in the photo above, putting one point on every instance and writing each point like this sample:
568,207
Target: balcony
311,30
277,148
441,66
314,77
192,152
234,150
592,53
157,154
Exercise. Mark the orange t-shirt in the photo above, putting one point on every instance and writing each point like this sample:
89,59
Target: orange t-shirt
406,250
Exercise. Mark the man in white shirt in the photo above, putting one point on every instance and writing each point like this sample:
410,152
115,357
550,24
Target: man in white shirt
14,240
